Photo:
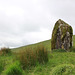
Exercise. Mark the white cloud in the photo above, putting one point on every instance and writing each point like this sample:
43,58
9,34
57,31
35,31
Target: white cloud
24,22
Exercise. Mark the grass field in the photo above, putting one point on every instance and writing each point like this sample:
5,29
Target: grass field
60,63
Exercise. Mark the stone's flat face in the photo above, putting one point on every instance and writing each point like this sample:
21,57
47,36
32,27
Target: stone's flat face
61,36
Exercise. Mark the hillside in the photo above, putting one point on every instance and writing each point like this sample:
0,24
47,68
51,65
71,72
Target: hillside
59,63
46,44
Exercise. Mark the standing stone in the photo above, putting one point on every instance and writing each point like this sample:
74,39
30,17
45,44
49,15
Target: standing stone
61,36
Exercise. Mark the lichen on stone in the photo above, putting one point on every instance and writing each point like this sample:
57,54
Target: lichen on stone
61,36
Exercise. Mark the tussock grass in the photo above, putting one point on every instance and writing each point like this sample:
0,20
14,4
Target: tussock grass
63,69
14,69
31,57
5,51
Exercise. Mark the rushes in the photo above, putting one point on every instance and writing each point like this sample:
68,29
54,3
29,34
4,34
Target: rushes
4,51
31,57
27,58
42,54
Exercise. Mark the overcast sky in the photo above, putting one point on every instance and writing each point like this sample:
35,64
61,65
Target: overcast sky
24,22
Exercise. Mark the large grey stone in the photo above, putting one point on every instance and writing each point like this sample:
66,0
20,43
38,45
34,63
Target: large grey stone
61,36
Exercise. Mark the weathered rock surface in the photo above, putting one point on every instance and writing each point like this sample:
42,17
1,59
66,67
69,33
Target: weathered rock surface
61,36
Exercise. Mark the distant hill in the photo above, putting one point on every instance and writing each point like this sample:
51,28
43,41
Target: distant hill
46,44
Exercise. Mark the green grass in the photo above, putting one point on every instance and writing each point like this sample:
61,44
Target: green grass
14,69
55,59
55,65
